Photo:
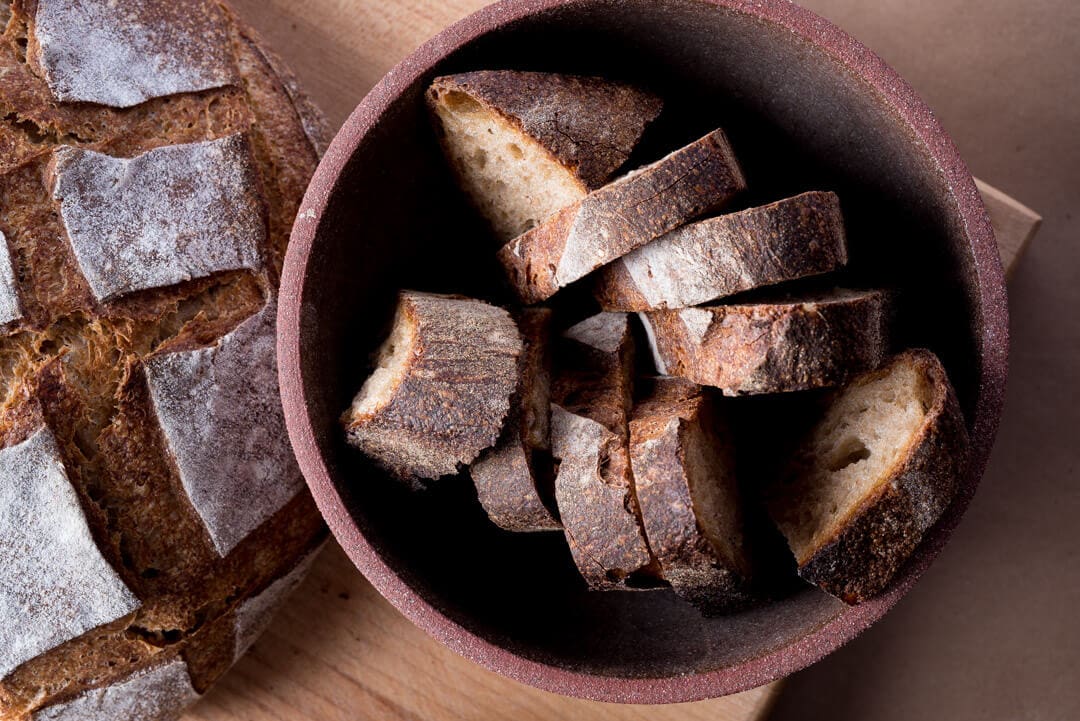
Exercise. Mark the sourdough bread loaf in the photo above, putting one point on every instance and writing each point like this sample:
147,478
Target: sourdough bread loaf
524,145
152,159
872,478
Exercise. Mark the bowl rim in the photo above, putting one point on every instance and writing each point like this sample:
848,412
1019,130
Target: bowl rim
992,318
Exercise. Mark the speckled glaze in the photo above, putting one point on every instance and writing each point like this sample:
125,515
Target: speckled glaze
631,647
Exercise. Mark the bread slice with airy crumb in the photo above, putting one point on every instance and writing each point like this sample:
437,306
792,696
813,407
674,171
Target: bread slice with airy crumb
875,474
442,387
514,478
787,240
592,395
814,341
683,461
526,144
625,214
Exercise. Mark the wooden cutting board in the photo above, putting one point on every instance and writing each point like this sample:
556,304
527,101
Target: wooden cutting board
338,650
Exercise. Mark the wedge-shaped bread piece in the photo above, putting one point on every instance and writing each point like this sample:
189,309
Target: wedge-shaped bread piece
874,476
513,478
442,387
684,474
623,215
815,342
790,239
594,486
525,145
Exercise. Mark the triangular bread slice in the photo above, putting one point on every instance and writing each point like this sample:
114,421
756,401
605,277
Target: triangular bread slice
592,395
513,479
629,212
873,477
790,239
442,387
684,474
815,341
526,144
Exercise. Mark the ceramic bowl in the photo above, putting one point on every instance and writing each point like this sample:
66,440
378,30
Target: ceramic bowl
805,106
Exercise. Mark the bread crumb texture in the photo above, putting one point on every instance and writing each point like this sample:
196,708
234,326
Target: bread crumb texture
149,490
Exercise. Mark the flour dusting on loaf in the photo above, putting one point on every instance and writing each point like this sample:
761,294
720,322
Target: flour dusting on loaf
225,396
255,614
170,215
10,307
156,694
122,54
54,583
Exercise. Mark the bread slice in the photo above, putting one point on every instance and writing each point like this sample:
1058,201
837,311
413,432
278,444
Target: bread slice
817,341
684,474
626,214
514,478
524,145
786,240
594,490
874,476
442,387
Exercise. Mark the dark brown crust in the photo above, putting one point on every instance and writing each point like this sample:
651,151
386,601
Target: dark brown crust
513,479
773,347
454,393
663,422
790,239
626,214
589,125
881,533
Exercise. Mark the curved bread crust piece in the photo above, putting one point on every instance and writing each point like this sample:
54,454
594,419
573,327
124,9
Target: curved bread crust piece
790,239
863,550
254,614
589,125
684,474
742,349
10,306
622,216
170,215
449,397
508,476
121,54
226,395
55,584
155,694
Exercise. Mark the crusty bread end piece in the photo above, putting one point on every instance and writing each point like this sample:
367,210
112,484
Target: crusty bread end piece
622,216
513,479
525,144
874,476
684,475
442,387
816,341
790,239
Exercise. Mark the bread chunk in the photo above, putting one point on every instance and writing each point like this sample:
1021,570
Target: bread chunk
622,216
684,474
525,145
873,477
786,240
594,486
816,341
514,478
442,388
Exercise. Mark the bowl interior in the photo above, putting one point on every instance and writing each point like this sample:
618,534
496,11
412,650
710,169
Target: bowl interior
798,120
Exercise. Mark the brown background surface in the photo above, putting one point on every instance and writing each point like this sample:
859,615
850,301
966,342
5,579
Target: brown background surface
991,631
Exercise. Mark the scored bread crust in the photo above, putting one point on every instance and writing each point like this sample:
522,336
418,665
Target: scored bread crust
673,422
447,399
790,239
774,347
621,216
877,537
588,125
594,489
512,478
